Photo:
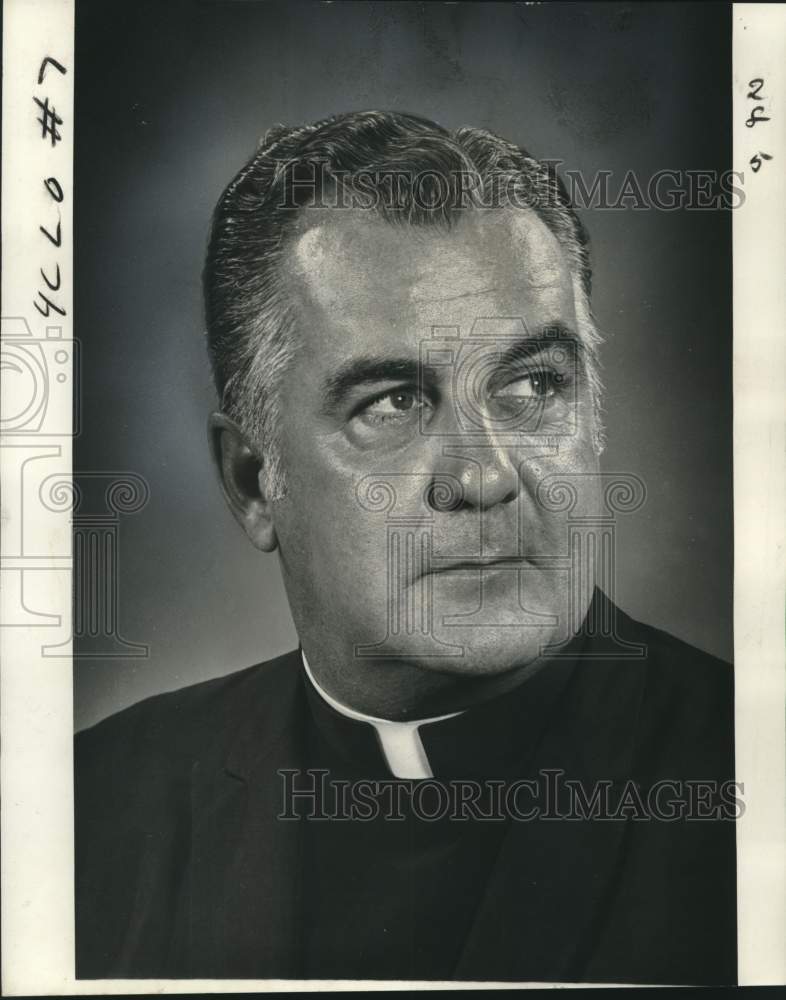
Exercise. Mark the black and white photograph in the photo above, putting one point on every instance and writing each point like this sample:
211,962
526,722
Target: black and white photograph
393,459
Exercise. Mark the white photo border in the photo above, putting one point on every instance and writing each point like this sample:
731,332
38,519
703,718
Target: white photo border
36,711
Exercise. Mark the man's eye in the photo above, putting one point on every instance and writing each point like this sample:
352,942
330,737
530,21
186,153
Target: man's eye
534,385
397,405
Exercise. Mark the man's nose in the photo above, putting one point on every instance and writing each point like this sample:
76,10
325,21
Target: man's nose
483,467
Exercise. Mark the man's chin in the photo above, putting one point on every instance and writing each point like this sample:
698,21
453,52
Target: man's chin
490,652
468,632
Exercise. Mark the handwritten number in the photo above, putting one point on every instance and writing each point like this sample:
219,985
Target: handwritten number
57,240
757,115
53,286
52,184
52,62
756,161
755,92
49,122
49,304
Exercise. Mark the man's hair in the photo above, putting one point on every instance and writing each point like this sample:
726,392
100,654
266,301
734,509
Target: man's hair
407,169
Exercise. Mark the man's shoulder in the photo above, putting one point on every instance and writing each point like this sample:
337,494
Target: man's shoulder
676,667
191,722
687,699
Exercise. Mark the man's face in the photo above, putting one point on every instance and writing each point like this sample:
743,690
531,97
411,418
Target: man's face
436,393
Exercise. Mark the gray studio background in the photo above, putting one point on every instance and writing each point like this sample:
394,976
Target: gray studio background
170,100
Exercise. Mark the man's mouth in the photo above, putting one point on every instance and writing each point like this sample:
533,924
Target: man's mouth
444,564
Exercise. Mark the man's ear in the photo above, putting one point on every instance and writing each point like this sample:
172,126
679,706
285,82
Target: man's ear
242,480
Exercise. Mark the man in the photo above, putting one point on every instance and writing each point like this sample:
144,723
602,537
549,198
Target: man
399,325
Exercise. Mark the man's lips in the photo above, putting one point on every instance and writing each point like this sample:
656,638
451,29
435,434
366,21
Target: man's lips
447,565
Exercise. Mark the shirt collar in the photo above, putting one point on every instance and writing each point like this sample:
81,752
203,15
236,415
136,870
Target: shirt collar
494,738
399,742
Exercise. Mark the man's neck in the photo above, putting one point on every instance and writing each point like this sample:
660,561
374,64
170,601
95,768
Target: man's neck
394,691
353,713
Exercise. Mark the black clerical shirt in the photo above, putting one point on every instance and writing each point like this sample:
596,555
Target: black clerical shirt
187,865
408,881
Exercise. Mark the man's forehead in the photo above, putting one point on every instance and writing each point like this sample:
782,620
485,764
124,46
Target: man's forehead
364,284
355,252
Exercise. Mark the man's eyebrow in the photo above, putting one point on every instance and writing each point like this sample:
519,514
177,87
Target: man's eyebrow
544,339
365,370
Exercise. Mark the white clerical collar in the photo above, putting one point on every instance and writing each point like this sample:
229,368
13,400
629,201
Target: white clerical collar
400,741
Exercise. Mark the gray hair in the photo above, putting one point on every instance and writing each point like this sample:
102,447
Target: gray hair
409,170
